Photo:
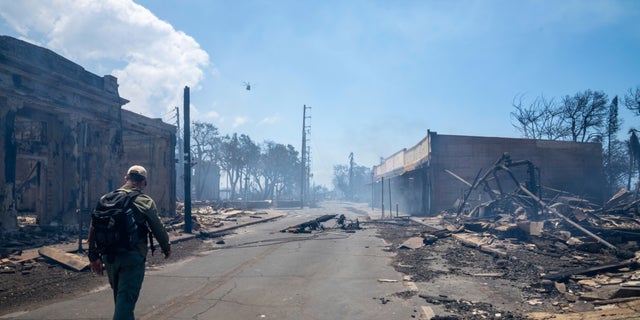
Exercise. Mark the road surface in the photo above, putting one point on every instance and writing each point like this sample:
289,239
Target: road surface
262,273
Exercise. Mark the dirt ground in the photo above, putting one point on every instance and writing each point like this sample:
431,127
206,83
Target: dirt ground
42,281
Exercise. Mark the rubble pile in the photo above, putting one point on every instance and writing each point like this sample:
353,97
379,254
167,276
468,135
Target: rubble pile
569,254
477,310
26,245
206,216
30,235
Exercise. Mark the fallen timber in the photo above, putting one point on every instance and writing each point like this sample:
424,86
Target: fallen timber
592,271
569,221
308,226
527,195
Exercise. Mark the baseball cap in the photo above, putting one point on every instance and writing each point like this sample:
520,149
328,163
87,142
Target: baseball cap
137,171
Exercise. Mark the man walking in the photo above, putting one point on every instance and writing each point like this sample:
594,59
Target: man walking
125,265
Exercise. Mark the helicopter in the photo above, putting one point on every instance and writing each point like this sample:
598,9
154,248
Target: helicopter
247,86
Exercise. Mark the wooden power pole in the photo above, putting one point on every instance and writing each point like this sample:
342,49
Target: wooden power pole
187,162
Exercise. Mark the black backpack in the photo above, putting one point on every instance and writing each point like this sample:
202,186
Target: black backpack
114,225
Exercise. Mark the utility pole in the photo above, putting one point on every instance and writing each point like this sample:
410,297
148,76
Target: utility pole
180,177
246,191
382,197
308,166
351,176
304,174
187,162
373,189
390,203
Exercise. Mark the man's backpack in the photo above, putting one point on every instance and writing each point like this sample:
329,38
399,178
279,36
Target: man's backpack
114,225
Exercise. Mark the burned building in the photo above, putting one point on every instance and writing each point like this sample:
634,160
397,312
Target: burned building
66,140
437,172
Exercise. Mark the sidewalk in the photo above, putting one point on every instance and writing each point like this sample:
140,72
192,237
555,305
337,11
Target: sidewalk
228,225
67,253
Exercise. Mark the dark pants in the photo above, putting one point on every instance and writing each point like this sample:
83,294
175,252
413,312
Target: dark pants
126,273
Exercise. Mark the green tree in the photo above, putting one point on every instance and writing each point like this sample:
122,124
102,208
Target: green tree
204,148
279,169
237,154
353,181
341,179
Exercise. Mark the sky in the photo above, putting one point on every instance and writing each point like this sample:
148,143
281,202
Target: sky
374,75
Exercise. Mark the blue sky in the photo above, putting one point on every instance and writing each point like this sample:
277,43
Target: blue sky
376,74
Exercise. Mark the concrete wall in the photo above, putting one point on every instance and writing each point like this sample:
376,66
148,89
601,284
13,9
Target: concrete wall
569,166
424,187
64,136
152,143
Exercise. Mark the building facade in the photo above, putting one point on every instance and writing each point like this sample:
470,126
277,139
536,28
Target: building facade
435,173
66,140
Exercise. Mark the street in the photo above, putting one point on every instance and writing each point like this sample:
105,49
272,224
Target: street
262,273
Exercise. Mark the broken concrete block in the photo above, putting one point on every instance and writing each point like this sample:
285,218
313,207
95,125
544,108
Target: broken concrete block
533,228
412,243
574,241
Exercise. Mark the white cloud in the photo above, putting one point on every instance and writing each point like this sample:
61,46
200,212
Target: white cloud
238,121
212,115
270,120
152,61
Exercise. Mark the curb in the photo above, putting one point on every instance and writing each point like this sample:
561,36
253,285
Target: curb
216,232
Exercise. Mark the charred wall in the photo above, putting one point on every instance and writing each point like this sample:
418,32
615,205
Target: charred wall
569,166
151,143
63,137
420,185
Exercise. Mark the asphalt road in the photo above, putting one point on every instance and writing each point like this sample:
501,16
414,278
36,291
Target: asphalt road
262,273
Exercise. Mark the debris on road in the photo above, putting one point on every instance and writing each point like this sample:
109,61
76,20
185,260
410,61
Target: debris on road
34,241
412,243
347,224
307,227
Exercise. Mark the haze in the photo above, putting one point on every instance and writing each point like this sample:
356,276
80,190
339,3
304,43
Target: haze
376,74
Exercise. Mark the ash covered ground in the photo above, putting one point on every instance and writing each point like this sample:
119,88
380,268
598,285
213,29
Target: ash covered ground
517,278
41,281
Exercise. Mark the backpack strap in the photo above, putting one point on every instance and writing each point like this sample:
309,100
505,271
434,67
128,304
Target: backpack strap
141,226
131,196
